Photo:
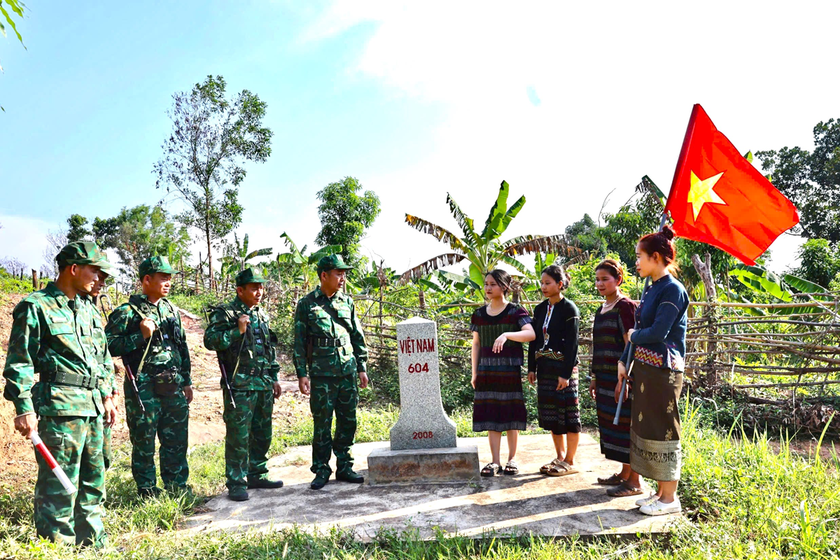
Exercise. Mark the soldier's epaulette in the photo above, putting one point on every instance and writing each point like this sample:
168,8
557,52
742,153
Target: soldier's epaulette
35,297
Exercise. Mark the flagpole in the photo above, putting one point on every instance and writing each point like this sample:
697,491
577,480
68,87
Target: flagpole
662,223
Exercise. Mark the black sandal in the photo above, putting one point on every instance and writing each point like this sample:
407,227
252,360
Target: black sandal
491,469
511,468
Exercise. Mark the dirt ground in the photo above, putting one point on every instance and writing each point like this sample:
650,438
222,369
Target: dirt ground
206,424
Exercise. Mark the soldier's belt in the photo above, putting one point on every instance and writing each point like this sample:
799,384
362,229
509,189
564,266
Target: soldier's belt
329,342
74,380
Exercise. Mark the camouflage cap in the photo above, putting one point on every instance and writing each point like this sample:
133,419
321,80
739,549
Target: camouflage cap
104,265
249,276
79,252
332,262
156,264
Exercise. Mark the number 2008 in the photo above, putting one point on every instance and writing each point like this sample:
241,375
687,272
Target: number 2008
423,435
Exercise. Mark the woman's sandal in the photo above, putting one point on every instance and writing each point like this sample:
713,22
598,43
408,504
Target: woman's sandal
613,480
561,469
491,469
547,467
623,490
511,468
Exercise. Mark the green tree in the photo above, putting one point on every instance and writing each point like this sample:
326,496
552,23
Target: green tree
587,235
77,231
345,215
212,137
484,250
140,232
811,180
819,261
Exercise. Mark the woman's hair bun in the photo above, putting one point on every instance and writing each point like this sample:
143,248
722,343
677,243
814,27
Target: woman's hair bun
667,232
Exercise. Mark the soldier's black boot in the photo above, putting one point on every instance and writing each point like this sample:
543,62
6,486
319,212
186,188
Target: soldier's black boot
320,481
350,476
264,482
238,494
151,492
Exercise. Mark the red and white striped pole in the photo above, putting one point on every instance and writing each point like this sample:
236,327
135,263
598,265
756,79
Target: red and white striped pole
51,462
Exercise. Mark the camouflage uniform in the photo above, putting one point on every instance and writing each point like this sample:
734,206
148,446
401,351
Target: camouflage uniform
330,348
248,435
54,337
160,383
100,341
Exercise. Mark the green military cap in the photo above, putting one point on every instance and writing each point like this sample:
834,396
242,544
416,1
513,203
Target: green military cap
156,264
249,276
332,262
79,252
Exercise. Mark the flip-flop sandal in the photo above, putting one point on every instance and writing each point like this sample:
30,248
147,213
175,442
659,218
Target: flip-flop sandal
624,490
547,467
613,480
491,469
511,468
561,469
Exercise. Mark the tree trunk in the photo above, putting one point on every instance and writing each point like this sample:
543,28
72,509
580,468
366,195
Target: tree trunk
710,312
209,257
34,279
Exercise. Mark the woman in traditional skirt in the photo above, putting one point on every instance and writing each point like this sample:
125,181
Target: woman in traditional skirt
499,329
657,373
613,321
552,361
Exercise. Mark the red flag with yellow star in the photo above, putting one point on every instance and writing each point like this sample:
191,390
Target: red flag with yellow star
719,198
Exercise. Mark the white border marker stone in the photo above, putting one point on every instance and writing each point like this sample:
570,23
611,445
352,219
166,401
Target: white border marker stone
423,424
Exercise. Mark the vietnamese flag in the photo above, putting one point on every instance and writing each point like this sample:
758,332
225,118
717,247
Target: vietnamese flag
719,198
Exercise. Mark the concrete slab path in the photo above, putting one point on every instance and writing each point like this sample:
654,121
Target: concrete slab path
526,503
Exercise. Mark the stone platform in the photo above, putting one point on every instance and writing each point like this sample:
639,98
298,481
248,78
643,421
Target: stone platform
446,464
526,503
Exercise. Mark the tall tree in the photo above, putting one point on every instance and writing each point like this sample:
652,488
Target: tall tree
819,261
345,215
140,232
77,231
811,180
484,250
212,137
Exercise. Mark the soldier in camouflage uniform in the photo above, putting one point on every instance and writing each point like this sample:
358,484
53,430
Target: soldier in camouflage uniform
101,343
330,347
147,333
53,336
240,335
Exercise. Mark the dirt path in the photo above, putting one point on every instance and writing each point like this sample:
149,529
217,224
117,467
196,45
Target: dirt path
206,424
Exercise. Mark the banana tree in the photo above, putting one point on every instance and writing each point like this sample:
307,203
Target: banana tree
238,255
761,280
484,250
301,266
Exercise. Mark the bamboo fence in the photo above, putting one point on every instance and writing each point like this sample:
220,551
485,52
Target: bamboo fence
781,354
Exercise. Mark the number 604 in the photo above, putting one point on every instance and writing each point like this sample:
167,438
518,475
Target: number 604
418,367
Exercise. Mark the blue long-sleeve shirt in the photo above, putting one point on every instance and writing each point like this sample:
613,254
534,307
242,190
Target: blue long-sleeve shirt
659,337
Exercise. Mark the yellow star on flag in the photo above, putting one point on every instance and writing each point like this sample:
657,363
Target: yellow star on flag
703,191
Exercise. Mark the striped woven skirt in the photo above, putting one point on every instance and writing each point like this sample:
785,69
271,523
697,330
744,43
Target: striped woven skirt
559,411
499,404
655,422
615,438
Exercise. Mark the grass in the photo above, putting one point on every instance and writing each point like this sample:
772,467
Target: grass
742,500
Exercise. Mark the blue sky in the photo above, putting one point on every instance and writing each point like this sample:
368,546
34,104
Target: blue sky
415,100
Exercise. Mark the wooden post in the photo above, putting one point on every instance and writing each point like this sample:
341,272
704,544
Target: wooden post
34,279
710,313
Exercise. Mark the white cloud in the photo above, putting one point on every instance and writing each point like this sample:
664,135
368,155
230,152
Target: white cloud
616,82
